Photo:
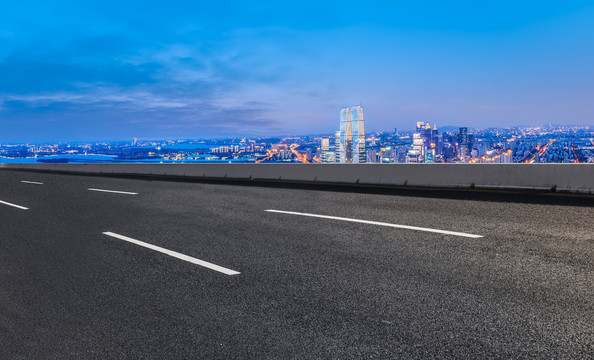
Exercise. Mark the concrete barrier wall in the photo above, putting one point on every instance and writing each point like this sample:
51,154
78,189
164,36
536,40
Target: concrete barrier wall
561,177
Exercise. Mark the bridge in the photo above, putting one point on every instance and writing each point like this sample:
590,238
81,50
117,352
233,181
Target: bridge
296,261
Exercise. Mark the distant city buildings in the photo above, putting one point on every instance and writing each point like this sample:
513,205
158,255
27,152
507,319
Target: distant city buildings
425,145
350,144
496,145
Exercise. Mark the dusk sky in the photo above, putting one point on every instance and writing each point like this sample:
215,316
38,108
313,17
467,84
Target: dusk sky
114,70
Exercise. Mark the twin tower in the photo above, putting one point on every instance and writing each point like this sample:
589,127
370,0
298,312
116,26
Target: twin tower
350,139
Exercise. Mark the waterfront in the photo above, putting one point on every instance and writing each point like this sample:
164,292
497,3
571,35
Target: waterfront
112,159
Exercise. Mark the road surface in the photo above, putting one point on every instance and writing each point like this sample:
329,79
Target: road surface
99,267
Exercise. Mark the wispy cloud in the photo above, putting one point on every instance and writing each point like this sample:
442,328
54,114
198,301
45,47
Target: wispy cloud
168,88
139,100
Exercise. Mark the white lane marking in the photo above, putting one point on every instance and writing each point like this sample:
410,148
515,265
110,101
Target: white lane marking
13,205
114,191
174,254
31,182
446,232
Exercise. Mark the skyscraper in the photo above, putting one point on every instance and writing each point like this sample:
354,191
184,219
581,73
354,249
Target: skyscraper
463,142
420,126
325,148
350,139
337,146
416,155
435,137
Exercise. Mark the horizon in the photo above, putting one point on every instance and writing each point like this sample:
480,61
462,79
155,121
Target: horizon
282,137
82,72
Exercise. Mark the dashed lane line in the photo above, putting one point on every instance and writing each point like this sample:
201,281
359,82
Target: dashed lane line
31,182
14,205
174,254
114,191
445,232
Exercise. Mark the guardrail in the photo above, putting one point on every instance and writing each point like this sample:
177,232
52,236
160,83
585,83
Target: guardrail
575,178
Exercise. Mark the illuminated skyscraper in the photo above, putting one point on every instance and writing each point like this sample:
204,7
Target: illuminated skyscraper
325,148
420,126
435,137
337,146
416,155
350,141
463,143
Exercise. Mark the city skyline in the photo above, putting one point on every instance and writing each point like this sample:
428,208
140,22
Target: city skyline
80,72
547,144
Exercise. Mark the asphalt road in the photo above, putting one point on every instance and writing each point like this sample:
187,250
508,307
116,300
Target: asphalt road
307,287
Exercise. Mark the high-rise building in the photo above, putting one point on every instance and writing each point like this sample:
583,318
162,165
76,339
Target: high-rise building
506,157
435,137
420,126
427,133
463,142
325,147
337,147
415,155
350,138
372,154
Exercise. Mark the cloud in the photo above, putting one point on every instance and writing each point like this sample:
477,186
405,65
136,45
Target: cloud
139,100
103,113
22,73
242,79
105,84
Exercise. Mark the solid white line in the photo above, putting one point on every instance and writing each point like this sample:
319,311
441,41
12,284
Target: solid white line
113,191
446,232
174,254
13,205
31,182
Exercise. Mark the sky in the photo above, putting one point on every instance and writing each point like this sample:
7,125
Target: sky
115,70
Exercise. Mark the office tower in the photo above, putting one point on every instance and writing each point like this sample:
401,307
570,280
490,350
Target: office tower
415,155
387,154
430,144
427,133
482,149
463,135
359,135
463,142
325,147
506,157
401,155
420,125
429,156
372,155
435,136
337,147
308,154
350,139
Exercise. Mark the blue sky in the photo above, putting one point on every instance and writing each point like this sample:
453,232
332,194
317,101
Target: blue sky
114,70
